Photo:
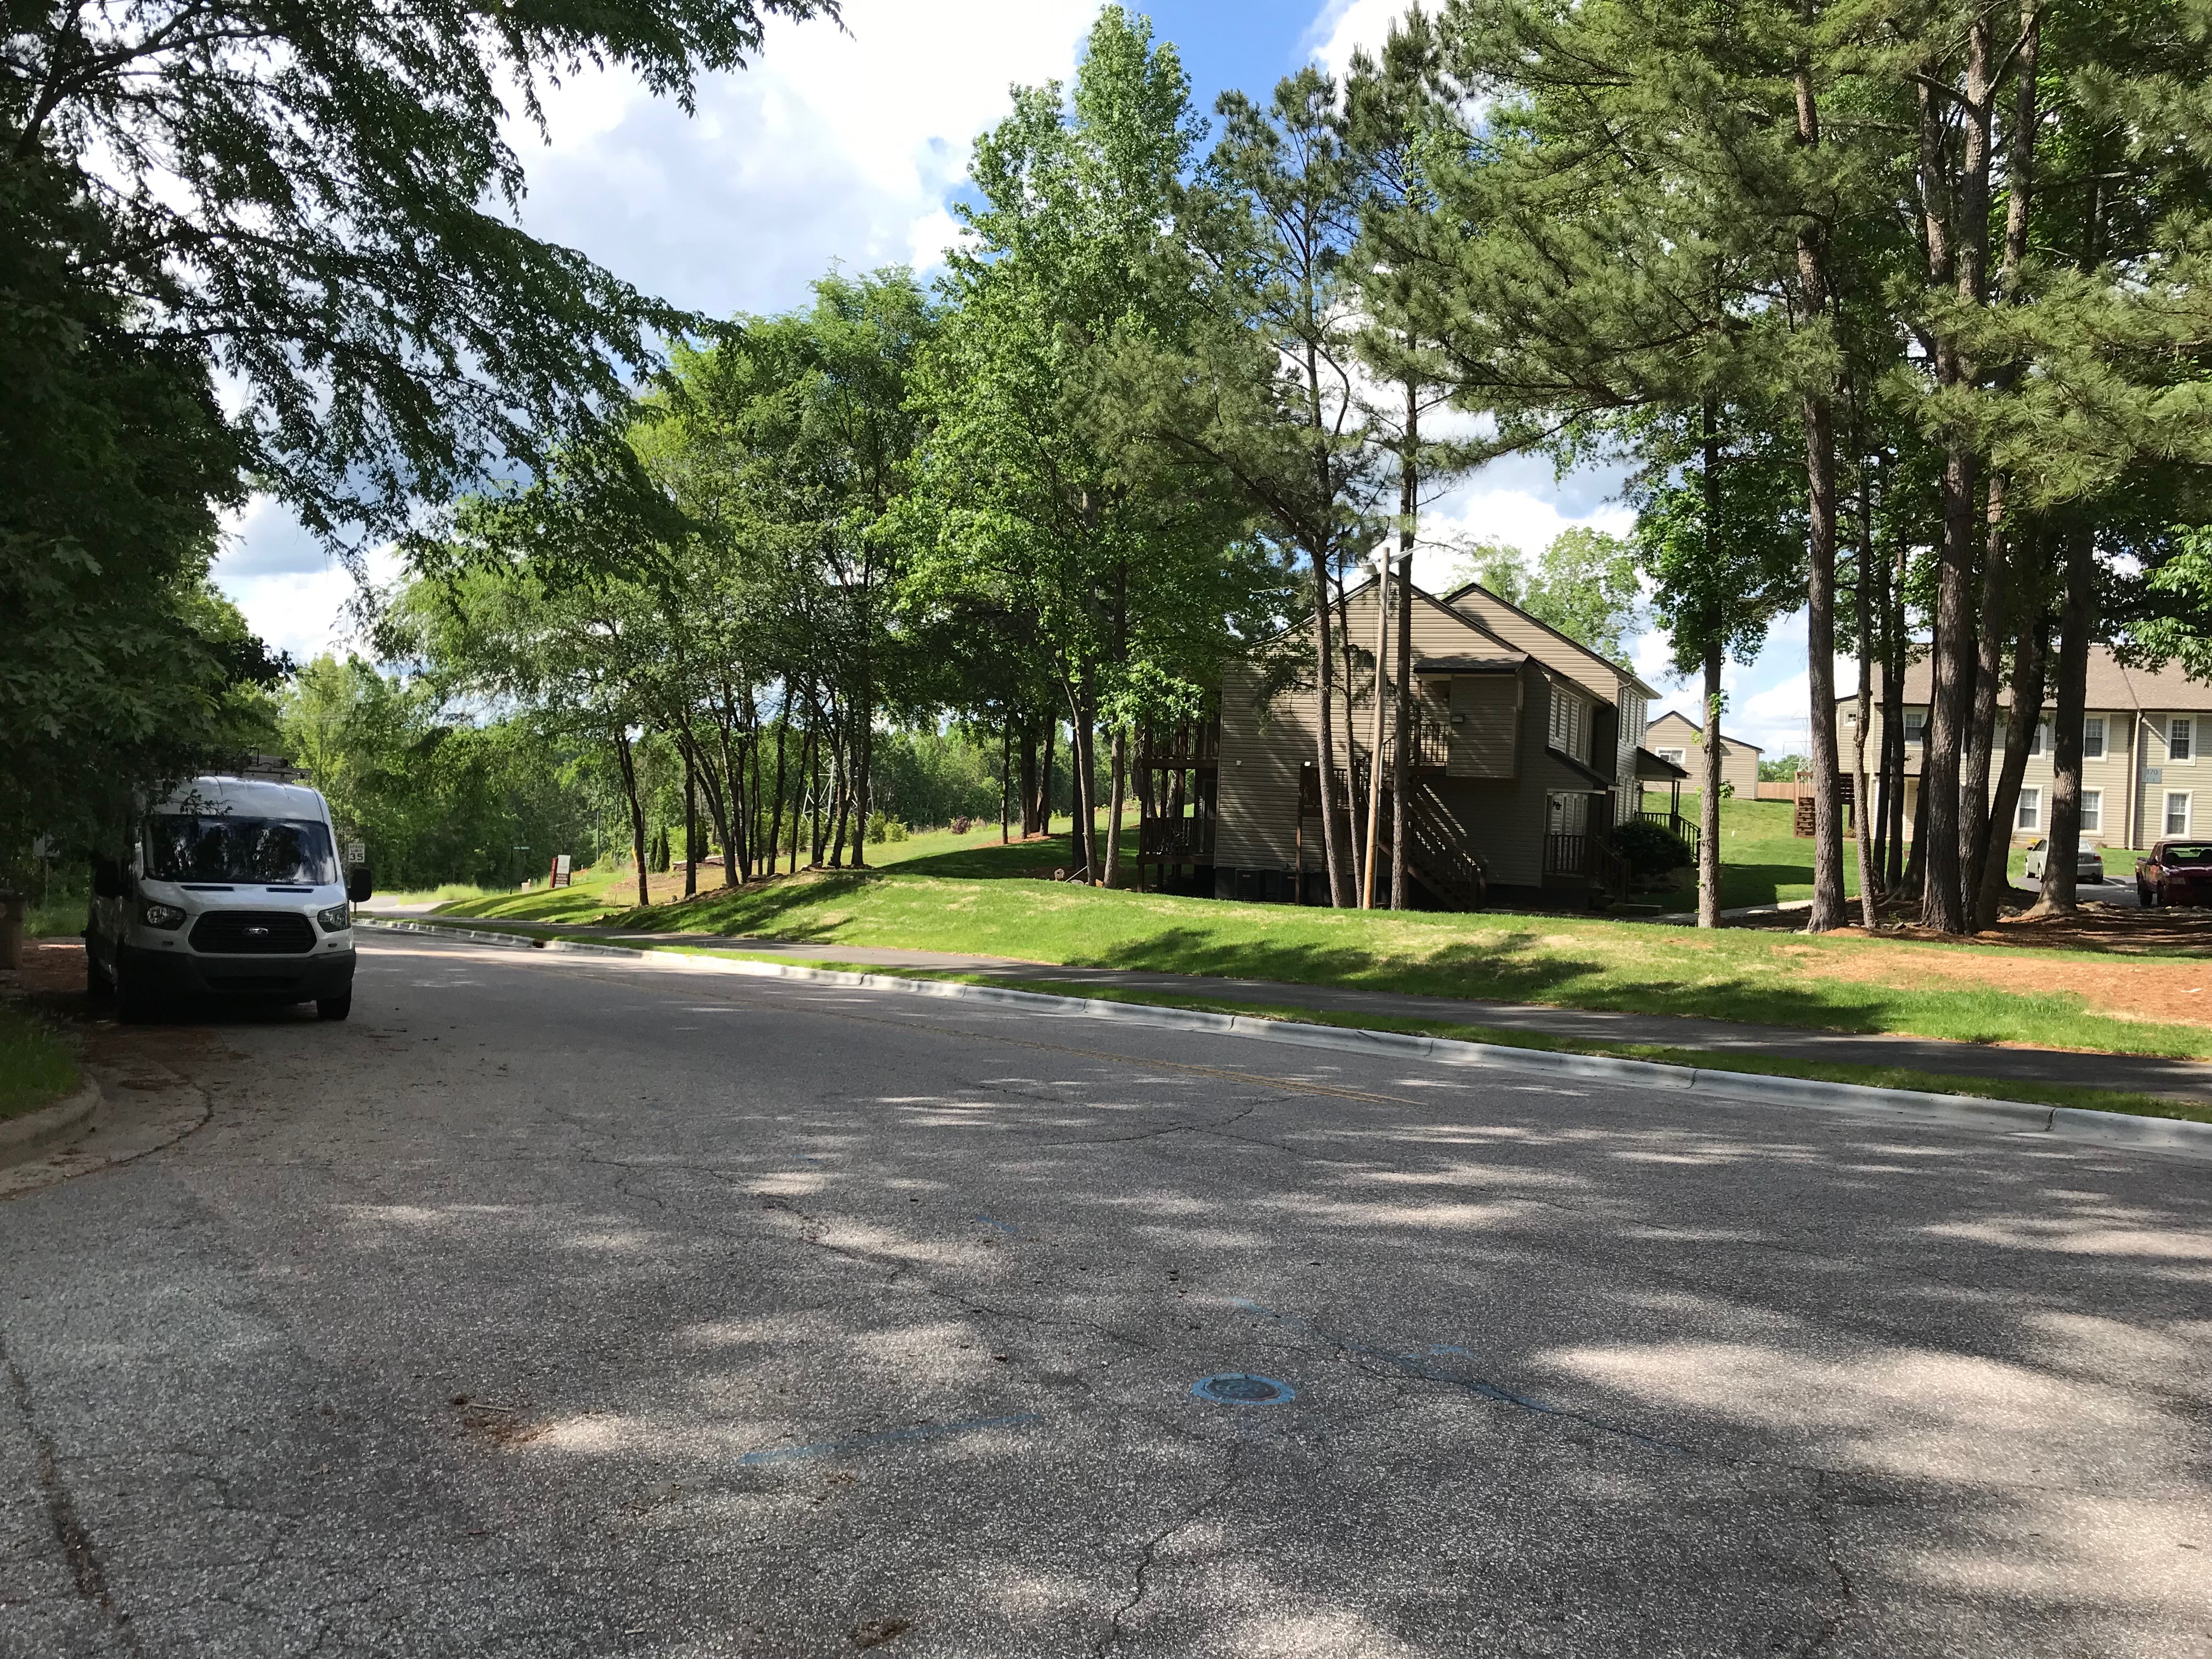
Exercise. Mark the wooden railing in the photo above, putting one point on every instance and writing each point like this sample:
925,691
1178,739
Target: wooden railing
1187,839
1588,857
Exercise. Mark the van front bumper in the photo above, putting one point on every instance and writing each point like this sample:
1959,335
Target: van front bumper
310,978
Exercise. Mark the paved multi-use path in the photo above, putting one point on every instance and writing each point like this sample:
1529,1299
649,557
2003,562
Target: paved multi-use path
553,1306
2144,1074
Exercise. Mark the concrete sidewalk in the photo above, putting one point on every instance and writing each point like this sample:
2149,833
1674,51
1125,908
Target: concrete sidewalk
2146,1074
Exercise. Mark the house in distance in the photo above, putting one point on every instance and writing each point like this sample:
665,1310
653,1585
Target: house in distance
1526,750
1676,737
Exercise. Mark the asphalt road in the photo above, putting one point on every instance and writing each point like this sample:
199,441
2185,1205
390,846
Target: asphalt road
555,1307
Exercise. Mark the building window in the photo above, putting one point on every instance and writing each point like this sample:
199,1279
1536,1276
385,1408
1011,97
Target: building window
2031,810
2039,739
2177,812
1571,724
2092,811
1915,726
2092,738
2177,737
1674,754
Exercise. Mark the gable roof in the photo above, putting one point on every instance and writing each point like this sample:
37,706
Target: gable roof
2111,685
1697,731
1620,671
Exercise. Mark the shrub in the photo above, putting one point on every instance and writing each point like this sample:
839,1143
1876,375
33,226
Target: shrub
1648,848
962,825
883,827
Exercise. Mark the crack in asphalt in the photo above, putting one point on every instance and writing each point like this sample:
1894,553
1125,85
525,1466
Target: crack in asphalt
813,1226
77,1547
1141,1586
1824,1518
1404,1366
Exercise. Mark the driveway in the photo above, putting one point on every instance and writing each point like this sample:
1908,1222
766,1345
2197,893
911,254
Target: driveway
555,1307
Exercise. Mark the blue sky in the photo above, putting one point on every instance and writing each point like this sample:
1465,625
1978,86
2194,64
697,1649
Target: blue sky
848,148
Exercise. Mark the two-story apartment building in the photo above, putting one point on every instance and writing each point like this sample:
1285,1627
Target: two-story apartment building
1674,736
2144,774
1526,751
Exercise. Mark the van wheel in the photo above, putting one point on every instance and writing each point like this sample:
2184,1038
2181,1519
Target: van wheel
334,1007
98,987
133,1005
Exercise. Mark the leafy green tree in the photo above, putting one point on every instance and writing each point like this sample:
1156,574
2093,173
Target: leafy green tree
1117,570
317,200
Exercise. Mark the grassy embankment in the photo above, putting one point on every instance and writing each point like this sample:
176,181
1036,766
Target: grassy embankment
1764,862
37,1065
948,900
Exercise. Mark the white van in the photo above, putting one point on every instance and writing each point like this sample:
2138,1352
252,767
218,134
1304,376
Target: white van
231,887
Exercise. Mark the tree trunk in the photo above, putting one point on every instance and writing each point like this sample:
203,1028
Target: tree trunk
1958,254
1005,779
1114,796
1894,880
1828,907
2063,845
1382,694
1044,781
2029,659
1862,792
1709,754
636,814
864,762
1708,792
1974,815
1325,733
690,824
775,812
1401,759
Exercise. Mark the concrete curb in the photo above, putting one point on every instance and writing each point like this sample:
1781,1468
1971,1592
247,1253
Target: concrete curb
21,1136
1964,1111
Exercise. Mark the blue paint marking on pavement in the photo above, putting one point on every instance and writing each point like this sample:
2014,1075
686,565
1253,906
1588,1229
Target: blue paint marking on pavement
889,1437
1009,1231
1243,1388
1412,1366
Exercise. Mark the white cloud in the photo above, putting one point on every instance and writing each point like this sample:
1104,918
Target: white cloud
300,610
1345,26
832,147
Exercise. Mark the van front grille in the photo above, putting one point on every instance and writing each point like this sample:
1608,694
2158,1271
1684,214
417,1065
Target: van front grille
253,934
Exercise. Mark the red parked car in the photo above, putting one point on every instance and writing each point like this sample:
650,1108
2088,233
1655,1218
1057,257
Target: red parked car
2176,872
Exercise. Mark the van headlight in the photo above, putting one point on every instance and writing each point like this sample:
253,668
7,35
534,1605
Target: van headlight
166,917
337,919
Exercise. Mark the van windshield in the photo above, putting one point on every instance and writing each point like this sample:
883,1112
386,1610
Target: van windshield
285,852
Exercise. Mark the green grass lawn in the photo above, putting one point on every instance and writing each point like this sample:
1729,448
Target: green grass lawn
1763,861
947,901
38,1064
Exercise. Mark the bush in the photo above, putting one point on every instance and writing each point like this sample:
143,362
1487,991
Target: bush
1648,848
962,825
883,827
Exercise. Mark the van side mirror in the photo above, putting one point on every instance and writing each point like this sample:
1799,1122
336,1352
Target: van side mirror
106,878
360,884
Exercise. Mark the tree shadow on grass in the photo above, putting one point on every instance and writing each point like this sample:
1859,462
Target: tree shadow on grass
1508,966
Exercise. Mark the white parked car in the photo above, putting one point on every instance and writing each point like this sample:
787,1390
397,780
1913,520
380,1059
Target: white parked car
2089,863
228,888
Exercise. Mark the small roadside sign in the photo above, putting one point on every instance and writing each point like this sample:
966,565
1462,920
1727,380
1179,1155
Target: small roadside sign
562,864
356,853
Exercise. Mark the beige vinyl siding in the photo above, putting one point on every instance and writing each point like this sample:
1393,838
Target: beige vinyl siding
1557,653
1739,761
1484,726
2108,775
1258,800
1261,755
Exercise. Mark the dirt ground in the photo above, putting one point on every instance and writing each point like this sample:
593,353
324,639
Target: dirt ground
52,981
